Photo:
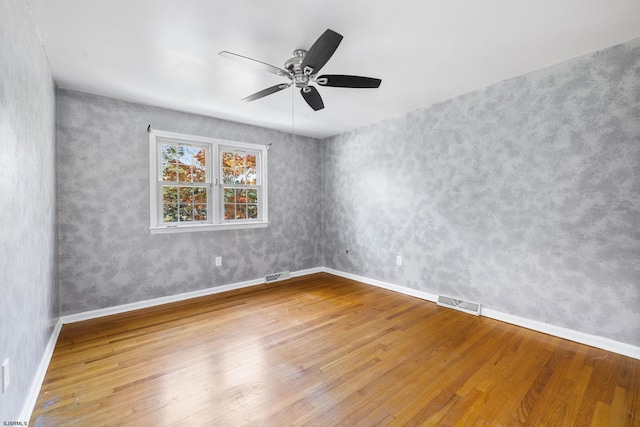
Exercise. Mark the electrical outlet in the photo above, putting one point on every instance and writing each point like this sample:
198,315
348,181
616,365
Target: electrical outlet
218,261
399,259
5,376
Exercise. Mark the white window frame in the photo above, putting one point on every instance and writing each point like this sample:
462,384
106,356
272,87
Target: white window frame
215,204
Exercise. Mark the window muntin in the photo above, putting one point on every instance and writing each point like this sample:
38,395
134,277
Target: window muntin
200,183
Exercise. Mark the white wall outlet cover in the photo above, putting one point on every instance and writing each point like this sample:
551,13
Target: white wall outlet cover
5,375
399,259
218,261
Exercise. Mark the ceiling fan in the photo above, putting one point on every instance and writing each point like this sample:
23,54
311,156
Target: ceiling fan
302,70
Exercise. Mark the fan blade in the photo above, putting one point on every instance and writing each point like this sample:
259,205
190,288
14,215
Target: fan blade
320,52
267,91
313,98
255,63
339,80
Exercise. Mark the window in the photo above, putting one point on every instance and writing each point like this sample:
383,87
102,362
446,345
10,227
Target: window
239,184
200,183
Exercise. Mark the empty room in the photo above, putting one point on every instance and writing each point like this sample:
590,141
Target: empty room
329,213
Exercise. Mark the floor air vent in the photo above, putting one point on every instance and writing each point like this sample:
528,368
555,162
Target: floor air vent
277,276
458,304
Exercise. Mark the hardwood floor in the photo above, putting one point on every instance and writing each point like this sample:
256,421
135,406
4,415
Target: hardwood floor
321,351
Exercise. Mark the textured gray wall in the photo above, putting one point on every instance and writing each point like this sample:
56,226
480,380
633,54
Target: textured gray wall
28,287
108,257
524,196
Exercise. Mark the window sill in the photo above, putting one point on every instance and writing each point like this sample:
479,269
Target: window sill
207,227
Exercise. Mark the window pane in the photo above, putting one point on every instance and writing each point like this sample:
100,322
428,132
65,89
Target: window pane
252,176
186,155
241,211
169,172
186,212
199,174
199,158
229,195
241,196
184,173
180,153
252,211
199,195
199,162
240,176
227,160
170,213
186,195
200,212
241,169
169,194
229,211
169,153
252,196
228,176
251,172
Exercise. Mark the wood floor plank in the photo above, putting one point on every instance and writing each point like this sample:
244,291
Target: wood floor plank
321,350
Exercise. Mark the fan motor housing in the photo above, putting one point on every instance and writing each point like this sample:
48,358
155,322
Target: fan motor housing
293,65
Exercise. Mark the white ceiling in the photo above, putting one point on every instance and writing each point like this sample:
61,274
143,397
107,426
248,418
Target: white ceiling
165,52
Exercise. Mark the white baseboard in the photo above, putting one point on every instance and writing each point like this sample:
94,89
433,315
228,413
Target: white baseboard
36,385
93,314
401,289
307,271
568,334
546,328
